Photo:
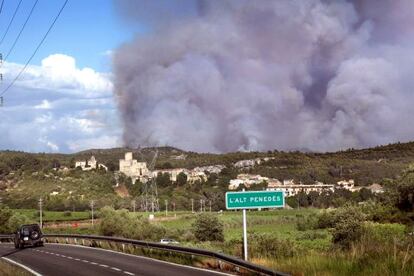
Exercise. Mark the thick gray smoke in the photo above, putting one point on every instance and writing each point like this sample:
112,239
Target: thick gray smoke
258,75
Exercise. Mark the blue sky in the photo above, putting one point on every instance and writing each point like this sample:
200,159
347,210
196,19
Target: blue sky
63,102
85,30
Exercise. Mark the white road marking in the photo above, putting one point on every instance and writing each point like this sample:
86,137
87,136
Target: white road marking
85,261
146,258
93,263
129,273
103,265
115,268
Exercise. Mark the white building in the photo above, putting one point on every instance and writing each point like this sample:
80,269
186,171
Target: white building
134,169
346,184
172,172
235,183
210,169
294,189
90,164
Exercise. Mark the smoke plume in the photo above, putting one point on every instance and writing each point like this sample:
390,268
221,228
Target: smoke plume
225,75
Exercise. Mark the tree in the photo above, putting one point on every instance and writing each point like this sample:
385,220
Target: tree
181,179
163,180
207,227
5,215
405,191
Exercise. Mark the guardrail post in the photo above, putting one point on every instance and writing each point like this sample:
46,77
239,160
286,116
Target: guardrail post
123,247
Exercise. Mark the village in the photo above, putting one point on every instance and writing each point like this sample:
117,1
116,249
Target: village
139,171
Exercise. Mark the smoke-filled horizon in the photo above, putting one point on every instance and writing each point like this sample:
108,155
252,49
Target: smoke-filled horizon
222,75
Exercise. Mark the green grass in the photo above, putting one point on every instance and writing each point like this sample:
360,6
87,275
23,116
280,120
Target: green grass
50,216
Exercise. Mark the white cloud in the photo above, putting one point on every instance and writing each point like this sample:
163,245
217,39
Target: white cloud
59,72
58,107
44,105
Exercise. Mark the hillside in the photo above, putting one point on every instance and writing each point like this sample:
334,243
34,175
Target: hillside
24,177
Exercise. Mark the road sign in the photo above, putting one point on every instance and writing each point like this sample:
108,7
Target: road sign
255,199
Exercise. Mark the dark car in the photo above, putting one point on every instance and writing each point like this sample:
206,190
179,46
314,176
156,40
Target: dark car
28,235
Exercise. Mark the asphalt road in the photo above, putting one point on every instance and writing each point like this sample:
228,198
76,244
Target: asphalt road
56,259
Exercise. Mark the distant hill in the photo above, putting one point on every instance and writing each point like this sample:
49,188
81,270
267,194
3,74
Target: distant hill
24,177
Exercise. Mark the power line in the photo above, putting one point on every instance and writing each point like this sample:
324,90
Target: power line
37,49
11,21
21,30
1,7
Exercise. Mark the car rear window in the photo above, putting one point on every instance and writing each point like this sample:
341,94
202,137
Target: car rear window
25,230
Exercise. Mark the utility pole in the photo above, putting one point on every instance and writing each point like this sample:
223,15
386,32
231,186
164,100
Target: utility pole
133,205
201,205
152,205
245,234
192,205
210,206
166,207
92,204
174,209
40,212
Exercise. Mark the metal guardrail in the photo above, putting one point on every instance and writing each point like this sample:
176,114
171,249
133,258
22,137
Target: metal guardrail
171,248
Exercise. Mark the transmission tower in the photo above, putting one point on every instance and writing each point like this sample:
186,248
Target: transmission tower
150,199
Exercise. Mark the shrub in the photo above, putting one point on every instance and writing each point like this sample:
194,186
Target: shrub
207,227
308,223
67,214
347,232
325,220
5,214
125,224
267,246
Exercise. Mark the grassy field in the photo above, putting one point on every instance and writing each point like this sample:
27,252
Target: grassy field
311,250
51,216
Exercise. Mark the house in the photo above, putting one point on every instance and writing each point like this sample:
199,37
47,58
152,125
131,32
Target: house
293,189
376,188
346,184
172,172
235,183
210,169
90,164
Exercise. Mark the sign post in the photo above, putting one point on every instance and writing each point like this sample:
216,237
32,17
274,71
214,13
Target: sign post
253,200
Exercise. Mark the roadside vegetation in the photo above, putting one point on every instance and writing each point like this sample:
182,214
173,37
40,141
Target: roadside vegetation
333,233
7,269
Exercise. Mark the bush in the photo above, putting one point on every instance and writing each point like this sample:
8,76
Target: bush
207,227
325,220
347,224
125,224
67,214
347,232
5,214
308,223
267,246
